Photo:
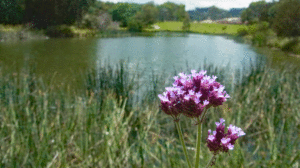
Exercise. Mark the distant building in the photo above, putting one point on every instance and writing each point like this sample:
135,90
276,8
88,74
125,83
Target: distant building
232,20
208,20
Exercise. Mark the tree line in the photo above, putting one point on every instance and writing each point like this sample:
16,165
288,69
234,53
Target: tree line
43,13
282,16
86,13
213,13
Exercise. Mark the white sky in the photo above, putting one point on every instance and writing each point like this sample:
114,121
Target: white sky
192,4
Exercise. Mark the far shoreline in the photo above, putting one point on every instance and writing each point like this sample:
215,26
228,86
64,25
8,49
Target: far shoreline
19,34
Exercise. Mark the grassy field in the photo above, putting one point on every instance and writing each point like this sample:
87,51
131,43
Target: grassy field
203,28
253,35
102,126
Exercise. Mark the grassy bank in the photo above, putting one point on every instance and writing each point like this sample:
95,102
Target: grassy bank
203,28
19,32
290,45
258,34
261,35
101,126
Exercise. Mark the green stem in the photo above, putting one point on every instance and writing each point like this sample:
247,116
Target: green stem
182,142
199,135
211,160
203,116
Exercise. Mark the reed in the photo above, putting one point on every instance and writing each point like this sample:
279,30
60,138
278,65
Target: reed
42,126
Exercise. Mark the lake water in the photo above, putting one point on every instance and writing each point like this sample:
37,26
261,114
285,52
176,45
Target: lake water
68,58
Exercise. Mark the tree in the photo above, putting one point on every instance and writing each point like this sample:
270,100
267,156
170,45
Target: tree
186,23
167,11
212,12
149,13
215,13
136,23
170,11
11,12
245,15
257,11
287,18
198,14
236,12
180,13
122,12
44,13
164,14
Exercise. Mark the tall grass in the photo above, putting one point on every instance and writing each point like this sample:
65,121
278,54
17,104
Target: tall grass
117,80
42,126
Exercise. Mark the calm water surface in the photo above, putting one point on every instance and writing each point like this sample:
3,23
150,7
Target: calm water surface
68,58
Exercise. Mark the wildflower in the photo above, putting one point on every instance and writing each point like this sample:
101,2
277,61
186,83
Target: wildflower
191,94
221,142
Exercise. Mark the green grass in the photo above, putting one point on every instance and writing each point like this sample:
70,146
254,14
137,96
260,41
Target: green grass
10,28
19,32
83,32
44,126
203,28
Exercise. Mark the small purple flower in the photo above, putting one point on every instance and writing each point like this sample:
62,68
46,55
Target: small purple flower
211,137
221,142
191,94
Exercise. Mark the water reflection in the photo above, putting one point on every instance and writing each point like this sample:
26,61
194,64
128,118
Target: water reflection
63,57
164,52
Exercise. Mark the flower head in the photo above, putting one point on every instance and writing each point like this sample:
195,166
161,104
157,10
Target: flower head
221,142
191,94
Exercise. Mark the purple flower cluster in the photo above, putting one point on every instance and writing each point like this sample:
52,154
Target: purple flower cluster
218,141
191,94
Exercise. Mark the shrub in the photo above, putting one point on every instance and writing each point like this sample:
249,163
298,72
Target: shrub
259,39
252,29
186,24
263,26
135,25
242,31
